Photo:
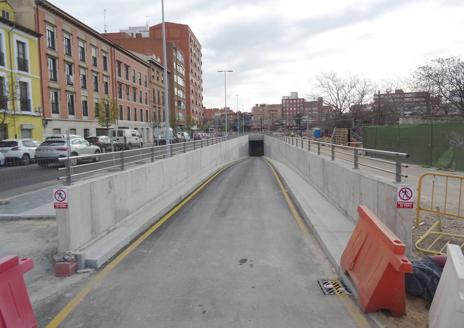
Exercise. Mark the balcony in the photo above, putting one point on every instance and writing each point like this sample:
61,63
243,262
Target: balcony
23,64
4,102
25,105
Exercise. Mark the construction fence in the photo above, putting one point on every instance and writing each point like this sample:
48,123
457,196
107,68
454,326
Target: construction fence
438,144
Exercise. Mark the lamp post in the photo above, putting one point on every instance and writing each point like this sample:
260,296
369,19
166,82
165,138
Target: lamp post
167,135
225,96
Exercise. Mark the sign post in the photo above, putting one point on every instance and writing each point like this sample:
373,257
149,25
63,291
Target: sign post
405,196
60,198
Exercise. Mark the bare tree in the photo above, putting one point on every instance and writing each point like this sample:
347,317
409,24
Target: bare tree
444,78
341,93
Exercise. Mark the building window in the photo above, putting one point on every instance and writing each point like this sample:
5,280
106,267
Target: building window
140,96
54,101
3,95
86,133
119,90
119,68
94,56
82,51
97,110
146,98
51,44
126,68
85,107
67,45
68,68
121,112
72,131
128,113
24,101
5,15
140,78
83,78
52,69
133,75
105,62
71,104
105,85
134,95
2,52
141,114
95,83
127,92
135,114
23,64
146,116
145,81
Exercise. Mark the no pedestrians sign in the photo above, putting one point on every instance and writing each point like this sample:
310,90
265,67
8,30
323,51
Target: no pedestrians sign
405,196
60,198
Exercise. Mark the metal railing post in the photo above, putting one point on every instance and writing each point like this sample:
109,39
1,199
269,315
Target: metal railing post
207,142
309,145
302,142
122,160
356,159
152,153
170,150
398,169
333,152
194,143
201,145
185,147
68,162
318,148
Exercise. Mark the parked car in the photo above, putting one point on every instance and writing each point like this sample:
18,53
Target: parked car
159,135
55,147
18,150
103,142
183,137
126,137
2,159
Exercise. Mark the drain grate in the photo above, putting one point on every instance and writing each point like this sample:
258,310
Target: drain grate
333,287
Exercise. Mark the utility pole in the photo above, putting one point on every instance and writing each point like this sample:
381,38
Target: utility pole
225,97
167,135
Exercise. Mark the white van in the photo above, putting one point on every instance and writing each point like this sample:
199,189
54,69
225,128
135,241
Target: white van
159,135
127,137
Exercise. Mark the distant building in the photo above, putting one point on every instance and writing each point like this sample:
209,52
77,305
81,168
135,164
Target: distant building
315,112
265,116
133,31
390,107
292,109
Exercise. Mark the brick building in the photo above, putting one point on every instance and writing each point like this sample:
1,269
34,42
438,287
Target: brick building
292,108
265,116
176,65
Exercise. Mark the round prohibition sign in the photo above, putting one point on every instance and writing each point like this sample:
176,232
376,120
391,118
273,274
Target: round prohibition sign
60,195
405,194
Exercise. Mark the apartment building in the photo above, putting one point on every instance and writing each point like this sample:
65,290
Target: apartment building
76,70
20,96
266,115
292,108
132,92
183,37
175,64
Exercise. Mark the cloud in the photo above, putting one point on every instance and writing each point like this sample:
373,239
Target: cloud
278,46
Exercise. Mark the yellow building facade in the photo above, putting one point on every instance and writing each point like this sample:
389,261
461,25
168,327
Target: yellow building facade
20,86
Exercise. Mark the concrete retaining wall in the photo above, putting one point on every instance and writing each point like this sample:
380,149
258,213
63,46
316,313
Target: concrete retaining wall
345,187
141,194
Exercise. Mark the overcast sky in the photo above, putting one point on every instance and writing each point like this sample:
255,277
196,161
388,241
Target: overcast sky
279,46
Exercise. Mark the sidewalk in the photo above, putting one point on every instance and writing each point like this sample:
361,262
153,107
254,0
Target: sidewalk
33,205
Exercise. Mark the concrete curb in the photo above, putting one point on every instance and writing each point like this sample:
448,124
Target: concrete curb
346,280
10,218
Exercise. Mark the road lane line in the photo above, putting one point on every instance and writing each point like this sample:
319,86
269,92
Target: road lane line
347,302
73,303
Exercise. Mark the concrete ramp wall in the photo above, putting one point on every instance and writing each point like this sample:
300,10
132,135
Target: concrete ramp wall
106,213
345,187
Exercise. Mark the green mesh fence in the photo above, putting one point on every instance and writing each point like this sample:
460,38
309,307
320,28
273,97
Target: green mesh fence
432,144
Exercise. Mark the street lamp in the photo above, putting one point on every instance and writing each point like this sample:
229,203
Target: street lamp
167,135
225,96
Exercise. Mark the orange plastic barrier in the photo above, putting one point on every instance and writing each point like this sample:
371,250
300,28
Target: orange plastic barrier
374,258
15,307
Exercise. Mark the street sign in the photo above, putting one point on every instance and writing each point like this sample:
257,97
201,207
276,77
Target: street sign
60,198
405,196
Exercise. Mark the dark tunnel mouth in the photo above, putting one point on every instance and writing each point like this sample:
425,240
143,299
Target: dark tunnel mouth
256,148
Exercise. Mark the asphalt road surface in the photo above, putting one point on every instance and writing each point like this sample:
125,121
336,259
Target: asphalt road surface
232,257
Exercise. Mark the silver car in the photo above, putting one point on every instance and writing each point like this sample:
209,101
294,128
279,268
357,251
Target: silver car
55,147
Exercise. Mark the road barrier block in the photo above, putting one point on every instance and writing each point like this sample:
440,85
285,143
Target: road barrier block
447,308
15,306
374,258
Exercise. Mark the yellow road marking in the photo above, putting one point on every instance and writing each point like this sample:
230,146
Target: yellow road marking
347,302
71,306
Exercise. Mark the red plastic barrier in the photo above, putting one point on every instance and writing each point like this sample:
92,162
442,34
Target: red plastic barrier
15,307
375,261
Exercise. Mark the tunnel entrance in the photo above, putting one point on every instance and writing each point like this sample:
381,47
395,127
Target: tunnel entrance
256,145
